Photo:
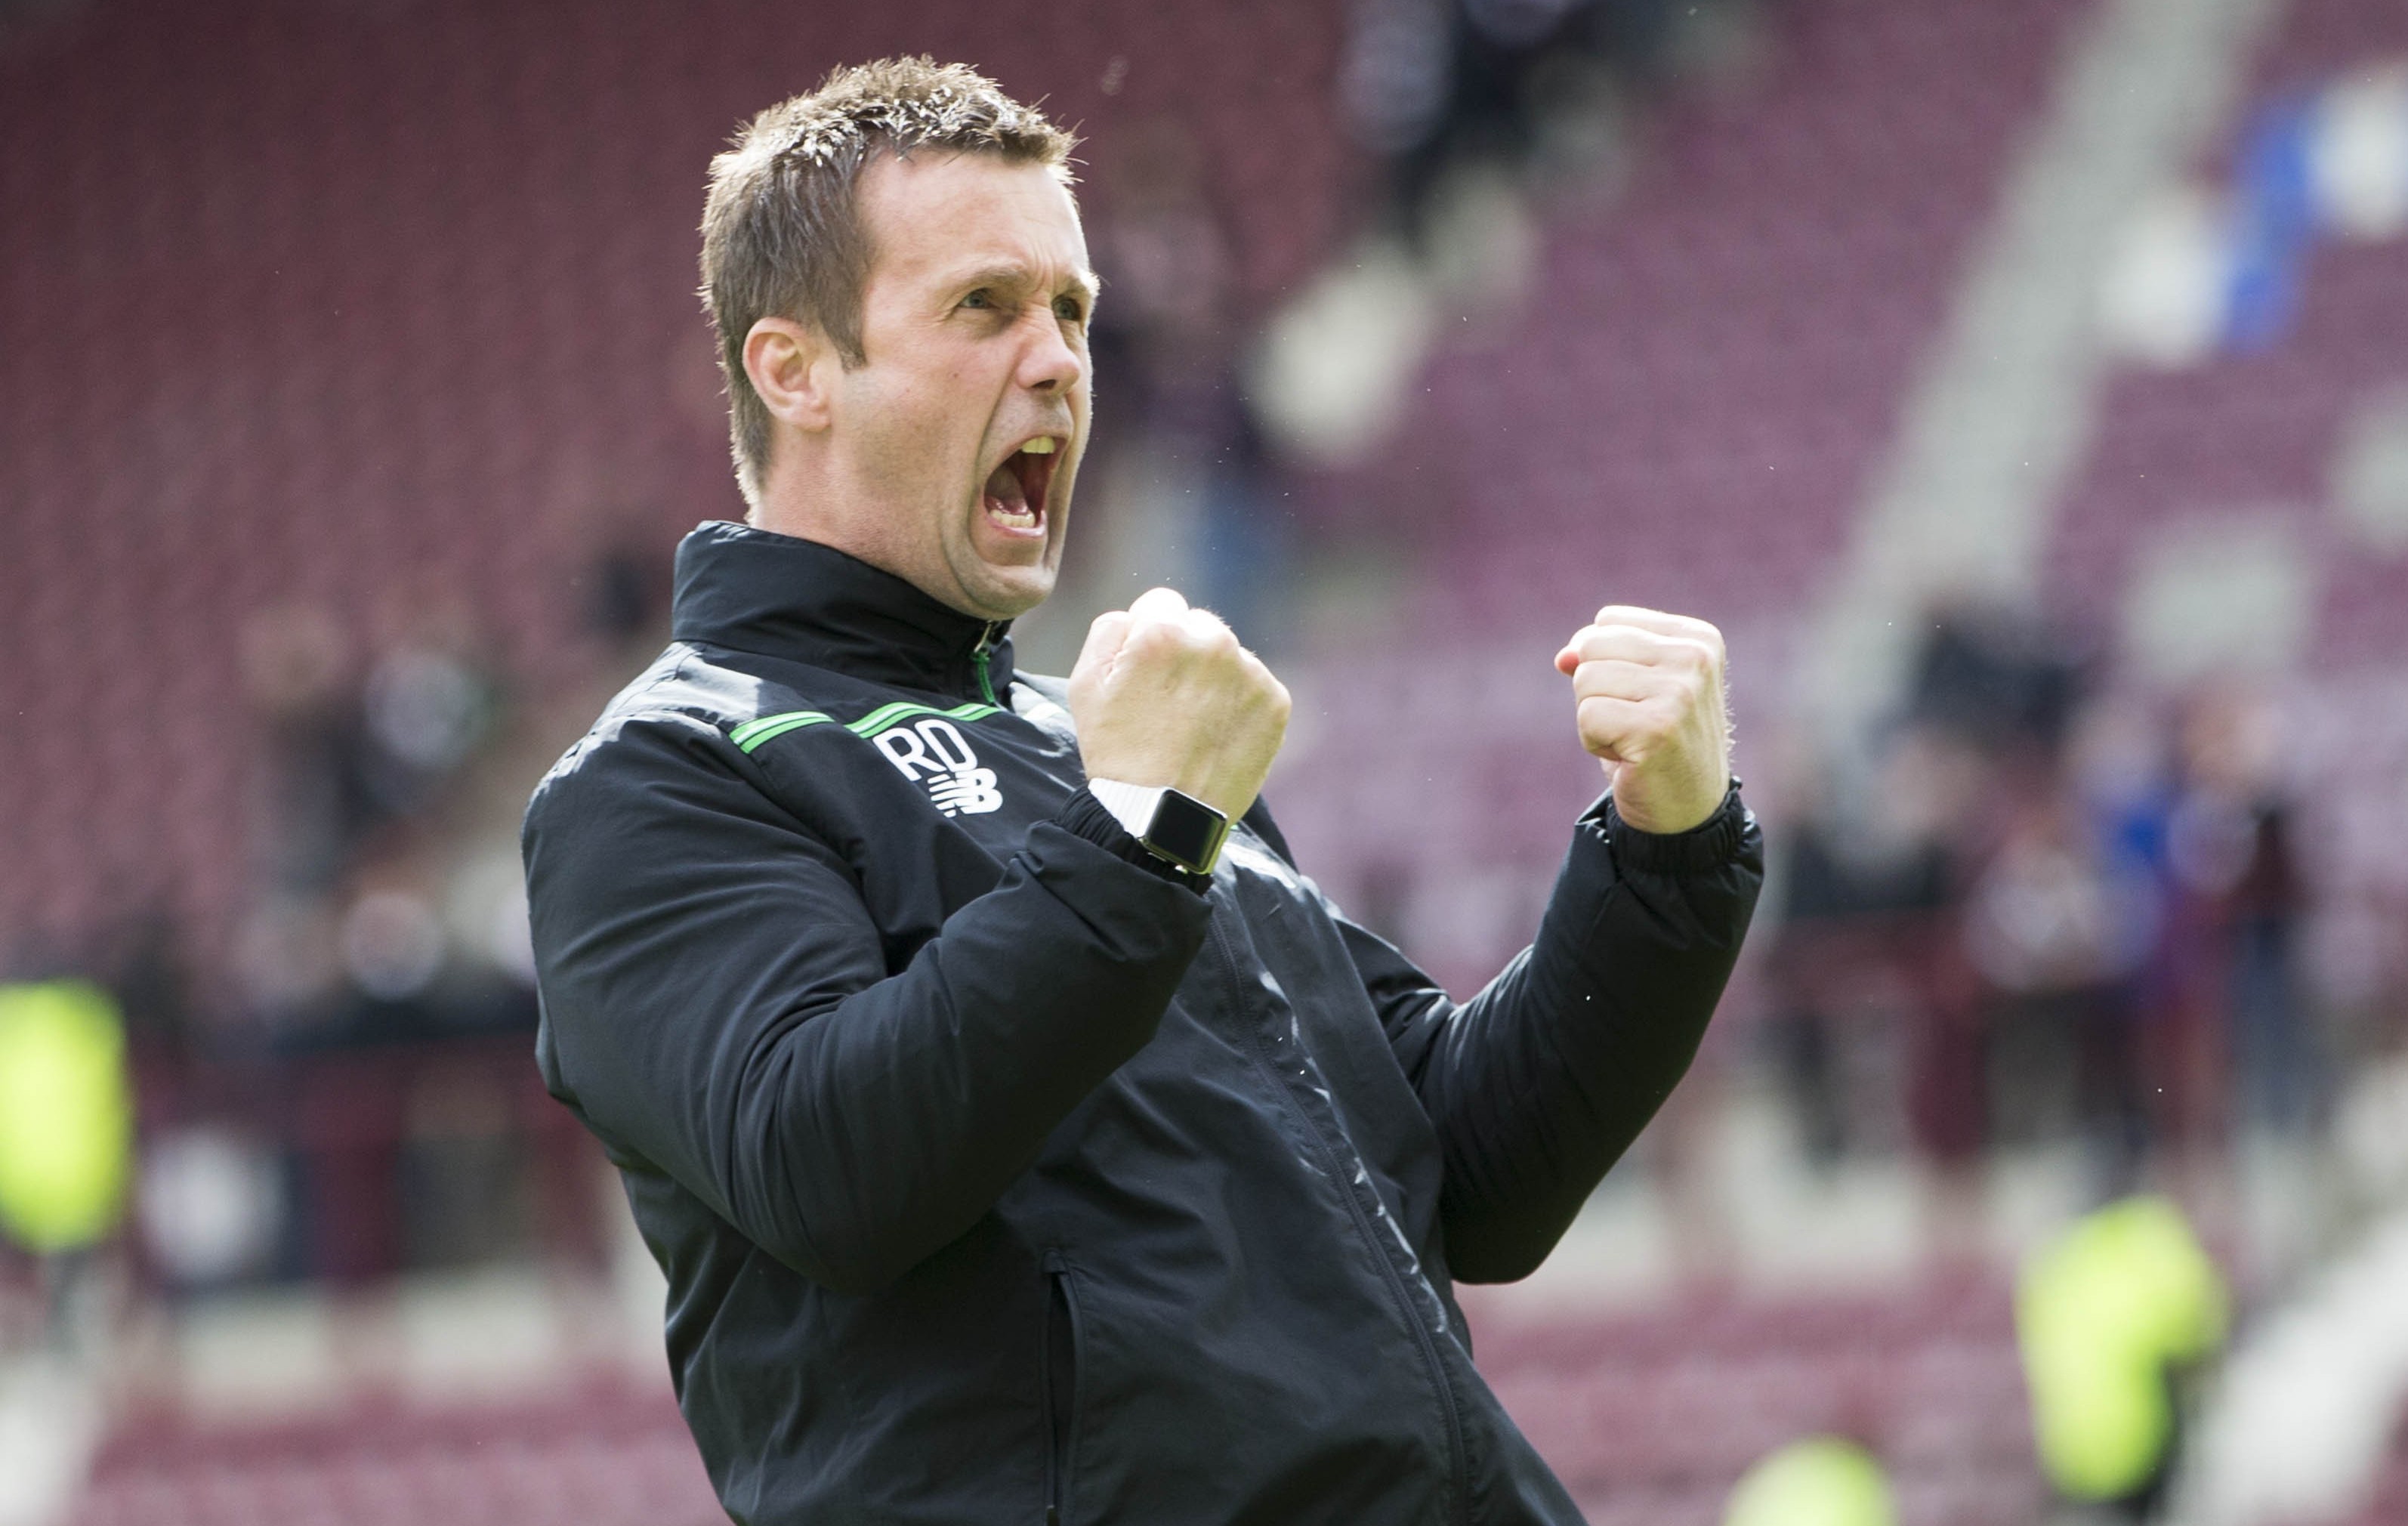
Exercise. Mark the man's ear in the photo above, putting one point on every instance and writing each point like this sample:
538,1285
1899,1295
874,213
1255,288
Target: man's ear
793,368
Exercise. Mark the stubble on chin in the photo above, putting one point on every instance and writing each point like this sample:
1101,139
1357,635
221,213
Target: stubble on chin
990,590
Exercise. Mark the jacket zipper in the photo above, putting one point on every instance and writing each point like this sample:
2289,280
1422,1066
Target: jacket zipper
979,661
1331,1157
1061,1394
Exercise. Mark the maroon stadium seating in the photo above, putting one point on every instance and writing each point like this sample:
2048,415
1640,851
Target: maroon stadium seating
2253,432
1651,1418
1648,1417
608,1456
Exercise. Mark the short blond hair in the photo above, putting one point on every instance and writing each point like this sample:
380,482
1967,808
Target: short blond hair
782,234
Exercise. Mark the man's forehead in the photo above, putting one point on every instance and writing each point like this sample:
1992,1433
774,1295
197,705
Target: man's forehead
968,213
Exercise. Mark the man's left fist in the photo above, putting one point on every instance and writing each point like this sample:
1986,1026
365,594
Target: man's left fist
1649,691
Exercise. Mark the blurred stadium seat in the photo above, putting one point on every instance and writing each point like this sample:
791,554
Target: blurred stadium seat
603,1458
1652,1418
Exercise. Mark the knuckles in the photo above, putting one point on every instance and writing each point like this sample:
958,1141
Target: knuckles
1191,633
1631,618
1214,638
1157,639
1202,646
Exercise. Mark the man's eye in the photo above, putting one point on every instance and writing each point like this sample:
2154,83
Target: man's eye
1069,310
979,298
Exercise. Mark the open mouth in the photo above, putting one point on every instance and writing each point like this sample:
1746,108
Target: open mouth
1015,496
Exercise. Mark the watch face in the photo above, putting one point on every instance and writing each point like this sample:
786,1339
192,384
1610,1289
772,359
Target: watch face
1187,831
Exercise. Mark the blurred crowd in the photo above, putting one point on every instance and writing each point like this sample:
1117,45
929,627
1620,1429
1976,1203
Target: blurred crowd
345,1091
2042,909
359,930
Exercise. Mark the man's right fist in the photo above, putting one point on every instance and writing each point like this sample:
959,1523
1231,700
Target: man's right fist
1164,695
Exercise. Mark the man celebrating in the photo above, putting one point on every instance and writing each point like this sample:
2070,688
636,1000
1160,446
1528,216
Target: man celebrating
1023,1136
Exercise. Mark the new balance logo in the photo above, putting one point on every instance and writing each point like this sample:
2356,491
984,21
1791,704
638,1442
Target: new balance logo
933,751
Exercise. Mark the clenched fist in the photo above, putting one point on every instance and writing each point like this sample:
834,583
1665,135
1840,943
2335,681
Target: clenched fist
1164,695
1648,688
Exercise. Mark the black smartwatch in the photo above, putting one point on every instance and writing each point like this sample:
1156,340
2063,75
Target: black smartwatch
1177,828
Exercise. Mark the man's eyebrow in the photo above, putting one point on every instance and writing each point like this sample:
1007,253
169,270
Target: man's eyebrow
1087,281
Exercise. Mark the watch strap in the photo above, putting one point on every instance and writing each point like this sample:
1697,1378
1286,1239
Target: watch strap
1131,805
1169,823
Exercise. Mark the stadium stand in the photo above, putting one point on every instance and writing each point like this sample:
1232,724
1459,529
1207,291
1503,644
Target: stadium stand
608,1456
1727,347
2258,432
2252,443
1651,1418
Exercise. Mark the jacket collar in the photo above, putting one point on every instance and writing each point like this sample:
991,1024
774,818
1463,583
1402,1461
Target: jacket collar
756,591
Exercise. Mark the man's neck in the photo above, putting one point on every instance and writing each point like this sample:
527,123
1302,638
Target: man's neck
811,499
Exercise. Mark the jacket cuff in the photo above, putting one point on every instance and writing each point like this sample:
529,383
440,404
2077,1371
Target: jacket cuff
1710,844
1086,816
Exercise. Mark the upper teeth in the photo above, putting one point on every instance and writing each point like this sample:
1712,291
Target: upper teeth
1041,445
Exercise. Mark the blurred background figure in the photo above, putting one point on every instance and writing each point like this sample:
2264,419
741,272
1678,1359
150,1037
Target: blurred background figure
2237,899
2023,389
65,1148
1820,1481
65,1126
2115,1318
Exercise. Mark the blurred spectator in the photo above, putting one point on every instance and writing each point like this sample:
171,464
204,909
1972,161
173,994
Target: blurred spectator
66,1116
142,961
212,1204
2114,1316
1993,690
66,1127
1179,458
2057,927
1171,326
1437,84
1867,884
428,704
626,589
1819,1481
347,940
2005,682
2238,898
295,669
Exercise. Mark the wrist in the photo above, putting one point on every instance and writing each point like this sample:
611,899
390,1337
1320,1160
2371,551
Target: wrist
1170,824
1710,844
1085,816
1666,807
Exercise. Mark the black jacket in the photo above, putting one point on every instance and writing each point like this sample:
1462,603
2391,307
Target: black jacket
1000,1175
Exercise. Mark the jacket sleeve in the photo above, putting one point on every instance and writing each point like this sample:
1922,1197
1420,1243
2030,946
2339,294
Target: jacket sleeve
717,1002
1537,1085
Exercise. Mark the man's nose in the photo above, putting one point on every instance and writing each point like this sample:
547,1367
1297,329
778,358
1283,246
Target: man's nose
1051,362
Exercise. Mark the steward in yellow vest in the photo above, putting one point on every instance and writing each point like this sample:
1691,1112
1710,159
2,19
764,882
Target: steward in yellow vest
67,1117
1820,1481
2108,1316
